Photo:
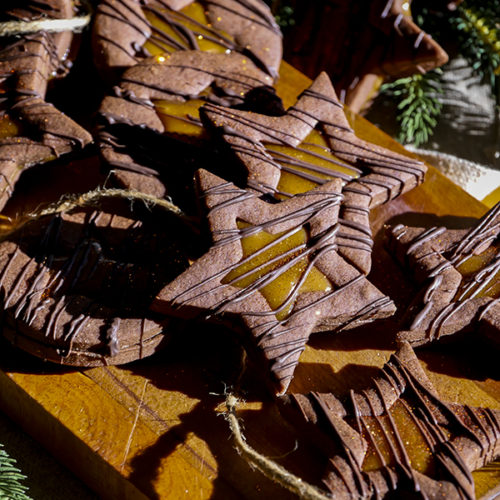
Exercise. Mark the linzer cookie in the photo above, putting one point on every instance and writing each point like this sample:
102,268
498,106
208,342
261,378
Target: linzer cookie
396,436
373,40
32,130
76,285
273,271
308,146
127,31
155,112
459,275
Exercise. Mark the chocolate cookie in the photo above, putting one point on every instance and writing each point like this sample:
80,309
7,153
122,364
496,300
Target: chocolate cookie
127,31
76,285
459,272
309,145
273,270
373,39
155,113
32,130
396,436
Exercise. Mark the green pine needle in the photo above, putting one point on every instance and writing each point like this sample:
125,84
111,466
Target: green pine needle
418,105
11,487
478,34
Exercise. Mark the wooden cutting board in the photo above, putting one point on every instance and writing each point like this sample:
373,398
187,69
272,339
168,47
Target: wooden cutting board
155,429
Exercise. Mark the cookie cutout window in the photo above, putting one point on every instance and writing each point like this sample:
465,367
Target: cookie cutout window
279,265
186,29
481,274
394,434
308,165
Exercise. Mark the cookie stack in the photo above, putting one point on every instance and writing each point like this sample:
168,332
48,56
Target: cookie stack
271,239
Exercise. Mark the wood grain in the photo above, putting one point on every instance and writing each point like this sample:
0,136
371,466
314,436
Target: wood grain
155,429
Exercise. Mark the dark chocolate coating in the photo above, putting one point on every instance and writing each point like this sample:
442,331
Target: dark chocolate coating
448,303
458,439
201,291
121,28
76,286
383,173
27,63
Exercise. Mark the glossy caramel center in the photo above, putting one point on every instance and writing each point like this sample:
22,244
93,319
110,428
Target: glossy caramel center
391,438
264,255
8,127
181,118
481,274
308,165
187,29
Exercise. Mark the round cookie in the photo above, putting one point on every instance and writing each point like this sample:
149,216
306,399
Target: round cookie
127,31
32,130
76,285
152,134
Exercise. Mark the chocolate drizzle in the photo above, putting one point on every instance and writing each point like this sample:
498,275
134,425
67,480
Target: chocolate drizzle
363,442
228,22
179,78
371,175
279,333
450,300
26,64
72,295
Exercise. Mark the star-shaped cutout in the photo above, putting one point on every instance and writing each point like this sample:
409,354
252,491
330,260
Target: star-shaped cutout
274,270
373,39
311,144
397,435
459,270
32,130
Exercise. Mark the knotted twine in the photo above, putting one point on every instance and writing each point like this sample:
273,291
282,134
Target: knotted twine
265,465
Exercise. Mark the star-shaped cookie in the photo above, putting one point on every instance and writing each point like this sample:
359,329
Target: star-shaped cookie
32,130
273,270
373,39
127,31
397,436
311,144
161,95
459,272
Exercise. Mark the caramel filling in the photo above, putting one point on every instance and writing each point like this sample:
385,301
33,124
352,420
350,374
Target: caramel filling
481,274
389,442
265,254
8,127
181,118
308,165
183,30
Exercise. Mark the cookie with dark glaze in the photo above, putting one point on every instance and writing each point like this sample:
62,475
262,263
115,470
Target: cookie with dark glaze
397,435
310,144
374,39
76,285
458,271
274,273
127,31
32,130
155,108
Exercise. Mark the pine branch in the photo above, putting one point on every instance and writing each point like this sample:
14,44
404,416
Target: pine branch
418,105
478,31
11,487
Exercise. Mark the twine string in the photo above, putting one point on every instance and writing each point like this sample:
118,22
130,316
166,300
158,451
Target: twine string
93,197
75,24
68,203
265,465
